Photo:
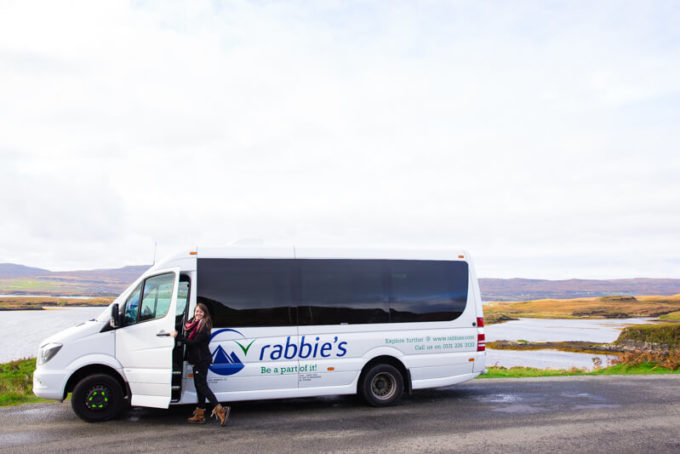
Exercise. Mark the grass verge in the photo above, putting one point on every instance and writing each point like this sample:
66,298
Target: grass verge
527,372
633,363
16,383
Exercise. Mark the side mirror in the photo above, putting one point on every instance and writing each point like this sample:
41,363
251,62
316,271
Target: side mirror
115,321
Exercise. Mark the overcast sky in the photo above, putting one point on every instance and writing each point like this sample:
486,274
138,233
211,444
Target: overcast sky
541,136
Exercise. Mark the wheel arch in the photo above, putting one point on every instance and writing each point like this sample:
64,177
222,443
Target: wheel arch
93,369
391,360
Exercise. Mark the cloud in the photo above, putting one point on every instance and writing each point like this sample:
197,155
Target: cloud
522,132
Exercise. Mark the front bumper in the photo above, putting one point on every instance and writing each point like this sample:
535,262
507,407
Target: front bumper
49,384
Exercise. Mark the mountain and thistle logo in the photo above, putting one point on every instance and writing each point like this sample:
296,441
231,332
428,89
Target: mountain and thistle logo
228,363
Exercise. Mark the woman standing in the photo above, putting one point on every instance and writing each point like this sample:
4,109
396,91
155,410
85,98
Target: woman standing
196,336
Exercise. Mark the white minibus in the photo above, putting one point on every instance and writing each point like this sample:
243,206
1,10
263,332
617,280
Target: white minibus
288,322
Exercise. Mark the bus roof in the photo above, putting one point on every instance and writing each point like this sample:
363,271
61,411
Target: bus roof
309,252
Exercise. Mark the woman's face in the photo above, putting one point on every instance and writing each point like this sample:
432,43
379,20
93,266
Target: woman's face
198,313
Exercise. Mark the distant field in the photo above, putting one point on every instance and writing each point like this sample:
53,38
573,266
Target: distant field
65,286
601,307
18,280
10,303
671,316
30,285
59,287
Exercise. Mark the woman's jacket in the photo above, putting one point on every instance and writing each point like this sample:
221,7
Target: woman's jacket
198,348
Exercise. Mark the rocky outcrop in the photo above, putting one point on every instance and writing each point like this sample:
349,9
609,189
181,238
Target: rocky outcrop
631,346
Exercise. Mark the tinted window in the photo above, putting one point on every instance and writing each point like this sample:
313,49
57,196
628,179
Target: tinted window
266,292
342,291
424,291
246,292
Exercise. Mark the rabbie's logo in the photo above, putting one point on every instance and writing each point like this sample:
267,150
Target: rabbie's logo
228,363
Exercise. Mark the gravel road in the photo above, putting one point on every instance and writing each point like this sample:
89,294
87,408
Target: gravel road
614,414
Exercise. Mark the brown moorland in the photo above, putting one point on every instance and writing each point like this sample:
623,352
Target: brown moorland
600,307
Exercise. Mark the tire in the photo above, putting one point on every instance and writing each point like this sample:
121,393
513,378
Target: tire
382,385
97,398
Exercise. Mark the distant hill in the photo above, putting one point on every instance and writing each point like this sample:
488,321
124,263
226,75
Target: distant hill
126,274
12,270
20,279
531,289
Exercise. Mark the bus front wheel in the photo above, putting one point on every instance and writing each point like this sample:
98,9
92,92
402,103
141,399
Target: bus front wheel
97,398
382,385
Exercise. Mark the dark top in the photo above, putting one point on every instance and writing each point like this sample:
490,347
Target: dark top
198,350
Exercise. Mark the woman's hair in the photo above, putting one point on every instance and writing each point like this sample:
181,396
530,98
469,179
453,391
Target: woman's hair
207,319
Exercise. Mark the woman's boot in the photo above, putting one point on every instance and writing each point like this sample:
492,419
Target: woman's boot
198,416
221,413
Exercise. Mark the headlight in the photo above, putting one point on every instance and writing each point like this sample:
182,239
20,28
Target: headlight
47,351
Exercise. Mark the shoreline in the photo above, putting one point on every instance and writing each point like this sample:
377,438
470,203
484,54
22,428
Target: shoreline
48,308
564,346
39,303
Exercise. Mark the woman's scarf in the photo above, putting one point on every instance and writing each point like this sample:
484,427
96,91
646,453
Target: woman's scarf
193,327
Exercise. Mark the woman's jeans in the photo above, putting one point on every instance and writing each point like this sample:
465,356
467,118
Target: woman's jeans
201,385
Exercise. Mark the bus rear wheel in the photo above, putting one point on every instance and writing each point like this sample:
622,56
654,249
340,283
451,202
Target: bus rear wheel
382,385
97,398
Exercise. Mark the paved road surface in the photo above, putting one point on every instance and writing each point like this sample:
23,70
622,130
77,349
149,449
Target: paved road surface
634,414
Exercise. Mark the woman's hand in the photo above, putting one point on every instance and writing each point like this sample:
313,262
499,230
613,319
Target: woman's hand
173,333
